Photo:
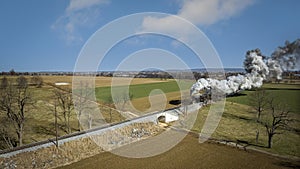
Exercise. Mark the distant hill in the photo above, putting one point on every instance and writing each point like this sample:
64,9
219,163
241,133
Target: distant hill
218,70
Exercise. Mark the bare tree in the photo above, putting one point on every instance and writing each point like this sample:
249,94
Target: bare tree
275,119
110,104
55,123
7,140
4,83
54,110
82,97
90,120
22,82
123,99
15,101
258,100
65,105
37,81
10,142
12,72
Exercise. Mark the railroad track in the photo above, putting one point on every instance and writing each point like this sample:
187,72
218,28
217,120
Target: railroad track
80,134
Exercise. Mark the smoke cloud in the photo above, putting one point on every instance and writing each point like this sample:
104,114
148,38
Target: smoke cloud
288,56
258,68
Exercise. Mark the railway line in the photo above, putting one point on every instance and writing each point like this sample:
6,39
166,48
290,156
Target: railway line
150,117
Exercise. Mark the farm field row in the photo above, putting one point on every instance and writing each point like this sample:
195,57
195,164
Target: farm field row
142,90
103,81
187,154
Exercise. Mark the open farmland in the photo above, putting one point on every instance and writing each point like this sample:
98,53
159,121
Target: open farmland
142,90
102,81
142,105
237,113
187,154
147,97
285,93
239,121
40,118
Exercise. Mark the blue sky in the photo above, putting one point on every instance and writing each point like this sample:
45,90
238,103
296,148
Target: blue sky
48,35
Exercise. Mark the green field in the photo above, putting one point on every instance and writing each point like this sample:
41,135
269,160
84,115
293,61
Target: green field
239,121
142,90
285,93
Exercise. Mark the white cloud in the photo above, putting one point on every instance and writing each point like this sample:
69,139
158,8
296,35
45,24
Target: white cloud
169,24
206,12
199,12
82,4
79,13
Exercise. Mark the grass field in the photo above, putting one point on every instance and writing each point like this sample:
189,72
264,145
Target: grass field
143,105
285,93
142,90
239,121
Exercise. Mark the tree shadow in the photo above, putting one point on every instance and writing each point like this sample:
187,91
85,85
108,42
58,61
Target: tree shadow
289,164
236,95
293,129
247,143
233,116
44,130
270,88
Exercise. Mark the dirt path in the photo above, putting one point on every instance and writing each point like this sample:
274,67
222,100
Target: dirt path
188,154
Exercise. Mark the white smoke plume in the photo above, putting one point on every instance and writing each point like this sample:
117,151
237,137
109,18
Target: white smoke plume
288,56
275,69
258,68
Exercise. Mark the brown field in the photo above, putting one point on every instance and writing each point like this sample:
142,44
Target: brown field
102,81
142,105
188,154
